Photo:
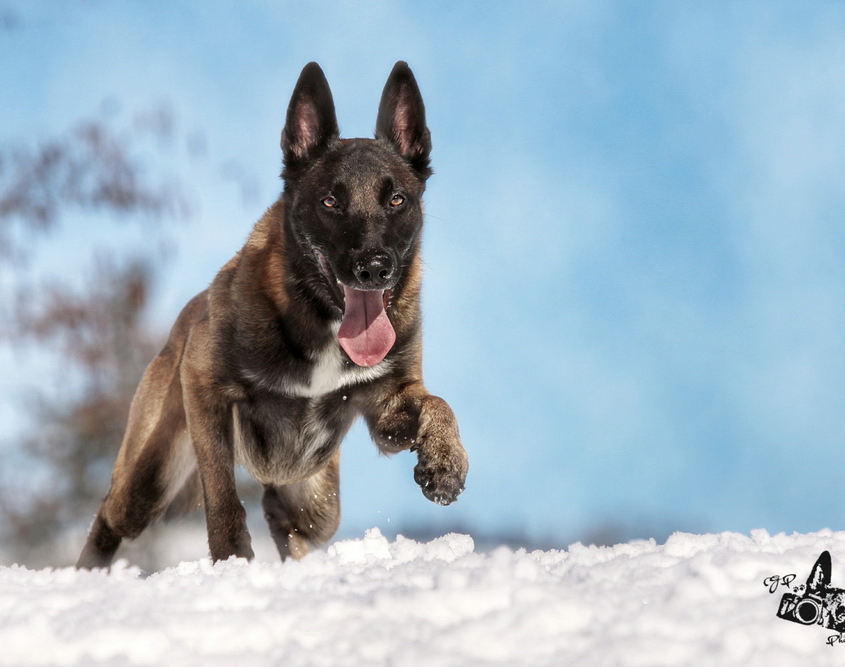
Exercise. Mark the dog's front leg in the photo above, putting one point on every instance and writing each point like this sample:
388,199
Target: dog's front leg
210,425
409,417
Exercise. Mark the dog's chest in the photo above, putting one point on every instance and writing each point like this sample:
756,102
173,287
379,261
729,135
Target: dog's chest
292,423
331,371
328,371
282,440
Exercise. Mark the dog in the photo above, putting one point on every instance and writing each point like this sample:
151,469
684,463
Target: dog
315,322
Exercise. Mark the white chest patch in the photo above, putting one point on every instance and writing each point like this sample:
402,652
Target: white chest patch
331,371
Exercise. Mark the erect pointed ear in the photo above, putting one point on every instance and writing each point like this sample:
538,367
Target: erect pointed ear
819,578
311,123
401,118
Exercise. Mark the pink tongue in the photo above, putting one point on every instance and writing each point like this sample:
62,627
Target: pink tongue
365,332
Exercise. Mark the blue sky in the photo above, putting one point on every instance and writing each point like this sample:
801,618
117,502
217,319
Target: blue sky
635,250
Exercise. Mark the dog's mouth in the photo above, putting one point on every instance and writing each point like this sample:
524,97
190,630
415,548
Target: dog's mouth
366,333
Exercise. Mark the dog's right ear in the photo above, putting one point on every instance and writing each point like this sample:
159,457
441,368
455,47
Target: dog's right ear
311,123
819,578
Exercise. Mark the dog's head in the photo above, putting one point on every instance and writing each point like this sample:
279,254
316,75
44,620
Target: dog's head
354,206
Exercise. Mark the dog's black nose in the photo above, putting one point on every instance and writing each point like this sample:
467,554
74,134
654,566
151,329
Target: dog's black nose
374,271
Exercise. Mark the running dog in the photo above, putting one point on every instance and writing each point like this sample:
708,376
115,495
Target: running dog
316,321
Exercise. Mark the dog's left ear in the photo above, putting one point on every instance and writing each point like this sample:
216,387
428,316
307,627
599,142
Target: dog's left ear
401,119
311,123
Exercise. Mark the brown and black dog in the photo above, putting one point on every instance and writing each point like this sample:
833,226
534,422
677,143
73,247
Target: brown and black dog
314,322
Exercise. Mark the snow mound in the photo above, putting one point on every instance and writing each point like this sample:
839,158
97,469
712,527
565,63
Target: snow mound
697,599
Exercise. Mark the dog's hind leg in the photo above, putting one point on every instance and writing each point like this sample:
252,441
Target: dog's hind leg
154,462
306,513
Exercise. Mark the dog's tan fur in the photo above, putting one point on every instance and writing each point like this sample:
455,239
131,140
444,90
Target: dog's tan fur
252,372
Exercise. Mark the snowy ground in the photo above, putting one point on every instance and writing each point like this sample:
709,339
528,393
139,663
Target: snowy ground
695,600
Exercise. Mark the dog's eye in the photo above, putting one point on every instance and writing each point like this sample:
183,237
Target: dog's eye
330,202
397,200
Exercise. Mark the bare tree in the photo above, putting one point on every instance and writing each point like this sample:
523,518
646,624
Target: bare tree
90,169
95,334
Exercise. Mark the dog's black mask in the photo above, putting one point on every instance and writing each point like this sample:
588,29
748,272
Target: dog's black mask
354,206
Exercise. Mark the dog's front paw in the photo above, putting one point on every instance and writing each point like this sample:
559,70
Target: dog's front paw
442,478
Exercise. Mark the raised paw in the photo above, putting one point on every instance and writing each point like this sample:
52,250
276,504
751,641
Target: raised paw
442,479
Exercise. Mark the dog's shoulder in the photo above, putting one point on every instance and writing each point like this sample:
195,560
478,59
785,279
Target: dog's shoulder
267,231
258,271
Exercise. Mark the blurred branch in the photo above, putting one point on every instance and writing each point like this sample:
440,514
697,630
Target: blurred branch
97,330
89,169
93,333
62,465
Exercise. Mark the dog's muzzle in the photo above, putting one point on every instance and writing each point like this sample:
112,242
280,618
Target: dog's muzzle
366,333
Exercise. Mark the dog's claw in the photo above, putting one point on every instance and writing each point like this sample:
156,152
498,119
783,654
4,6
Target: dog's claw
440,485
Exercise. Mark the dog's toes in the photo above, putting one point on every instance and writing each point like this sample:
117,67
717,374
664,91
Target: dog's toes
441,486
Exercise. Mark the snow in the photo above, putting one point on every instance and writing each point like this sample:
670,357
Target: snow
697,599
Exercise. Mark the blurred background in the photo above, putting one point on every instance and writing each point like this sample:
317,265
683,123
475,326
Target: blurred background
635,249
